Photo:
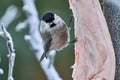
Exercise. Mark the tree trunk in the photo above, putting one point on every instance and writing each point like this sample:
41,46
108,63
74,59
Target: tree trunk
112,15
94,54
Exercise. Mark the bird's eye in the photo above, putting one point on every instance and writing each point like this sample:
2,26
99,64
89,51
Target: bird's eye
52,25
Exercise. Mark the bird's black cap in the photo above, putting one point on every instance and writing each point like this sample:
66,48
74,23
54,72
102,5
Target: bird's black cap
48,17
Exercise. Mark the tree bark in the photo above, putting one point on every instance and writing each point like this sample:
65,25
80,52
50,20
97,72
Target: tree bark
94,54
112,15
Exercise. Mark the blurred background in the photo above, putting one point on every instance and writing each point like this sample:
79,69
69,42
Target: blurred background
26,65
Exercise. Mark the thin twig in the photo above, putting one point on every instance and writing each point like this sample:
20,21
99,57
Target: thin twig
11,50
9,15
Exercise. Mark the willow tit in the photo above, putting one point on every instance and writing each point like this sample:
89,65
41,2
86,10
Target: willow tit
54,32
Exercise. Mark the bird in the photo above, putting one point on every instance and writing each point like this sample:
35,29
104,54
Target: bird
55,33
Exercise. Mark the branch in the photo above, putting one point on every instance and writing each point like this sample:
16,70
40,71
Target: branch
34,38
10,15
112,15
11,54
94,54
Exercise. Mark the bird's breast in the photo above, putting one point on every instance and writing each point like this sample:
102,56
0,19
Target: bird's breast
60,38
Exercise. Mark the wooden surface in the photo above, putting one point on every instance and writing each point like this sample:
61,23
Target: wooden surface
94,54
112,15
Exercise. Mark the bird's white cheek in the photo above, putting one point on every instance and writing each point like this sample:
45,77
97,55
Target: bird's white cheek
44,27
47,27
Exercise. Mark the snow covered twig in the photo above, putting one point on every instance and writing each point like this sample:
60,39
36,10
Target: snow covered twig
34,38
11,50
9,16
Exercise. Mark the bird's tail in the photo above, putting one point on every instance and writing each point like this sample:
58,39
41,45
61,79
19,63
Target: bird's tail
42,57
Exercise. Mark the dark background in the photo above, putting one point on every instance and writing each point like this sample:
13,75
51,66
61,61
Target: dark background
26,65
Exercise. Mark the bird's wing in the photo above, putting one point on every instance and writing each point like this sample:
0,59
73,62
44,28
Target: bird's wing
47,39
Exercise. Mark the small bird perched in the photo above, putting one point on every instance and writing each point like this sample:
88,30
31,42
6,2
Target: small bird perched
55,33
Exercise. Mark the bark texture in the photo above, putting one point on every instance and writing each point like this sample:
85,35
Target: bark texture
112,15
94,54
